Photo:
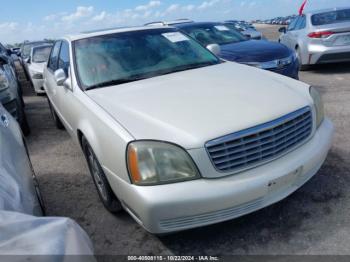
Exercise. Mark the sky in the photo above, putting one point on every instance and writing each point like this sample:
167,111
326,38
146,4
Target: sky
34,20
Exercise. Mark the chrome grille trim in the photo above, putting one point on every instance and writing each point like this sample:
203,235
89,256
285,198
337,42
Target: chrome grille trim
260,144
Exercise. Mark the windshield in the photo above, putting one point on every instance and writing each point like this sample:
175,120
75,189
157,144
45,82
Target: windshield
27,48
123,57
331,17
208,34
41,54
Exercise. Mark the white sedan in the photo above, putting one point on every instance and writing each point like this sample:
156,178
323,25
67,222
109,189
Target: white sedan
176,137
36,64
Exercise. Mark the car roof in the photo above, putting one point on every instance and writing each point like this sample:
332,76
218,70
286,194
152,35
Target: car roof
184,25
313,12
170,23
108,31
42,46
36,42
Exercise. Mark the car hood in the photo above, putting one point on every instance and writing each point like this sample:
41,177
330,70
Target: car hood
254,51
192,107
37,67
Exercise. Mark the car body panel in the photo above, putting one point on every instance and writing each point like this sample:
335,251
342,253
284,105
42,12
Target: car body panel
188,108
35,68
9,97
176,207
334,48
17,189
253,51
137,105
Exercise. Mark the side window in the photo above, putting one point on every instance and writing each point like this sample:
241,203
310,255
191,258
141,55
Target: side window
302,24
293,24
53,61
63,61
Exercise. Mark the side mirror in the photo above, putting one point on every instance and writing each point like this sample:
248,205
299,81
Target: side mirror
214,48
27,60
282,30
60,77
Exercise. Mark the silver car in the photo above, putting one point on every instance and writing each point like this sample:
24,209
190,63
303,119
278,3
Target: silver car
19,190
23,229
319,37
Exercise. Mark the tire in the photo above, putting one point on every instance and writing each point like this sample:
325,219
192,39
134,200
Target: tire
301,66
104,190
55,117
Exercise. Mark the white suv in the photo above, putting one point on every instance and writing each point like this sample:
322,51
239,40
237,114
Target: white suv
176,137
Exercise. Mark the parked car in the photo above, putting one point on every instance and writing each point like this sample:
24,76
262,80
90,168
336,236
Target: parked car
237,48
26,49
10,95
245,29
177,137
19,189
319,37
24,232
16,50
36,63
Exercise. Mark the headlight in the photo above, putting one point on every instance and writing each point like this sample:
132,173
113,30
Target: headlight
153,163
319,108
4,83
274,63
37,75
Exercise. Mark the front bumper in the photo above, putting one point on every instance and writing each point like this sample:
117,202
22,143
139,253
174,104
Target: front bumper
291,70
320,54
38,85
181,206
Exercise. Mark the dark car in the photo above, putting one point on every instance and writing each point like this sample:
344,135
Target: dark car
238,48
10,95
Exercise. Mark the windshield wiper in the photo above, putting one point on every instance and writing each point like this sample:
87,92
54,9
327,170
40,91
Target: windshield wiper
191,66
113,82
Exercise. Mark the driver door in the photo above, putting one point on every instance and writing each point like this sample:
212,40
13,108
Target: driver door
49,79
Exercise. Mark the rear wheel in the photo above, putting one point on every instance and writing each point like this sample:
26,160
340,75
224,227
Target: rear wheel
108,198
301,66
54,115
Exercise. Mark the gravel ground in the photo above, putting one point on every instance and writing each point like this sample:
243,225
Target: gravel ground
314,220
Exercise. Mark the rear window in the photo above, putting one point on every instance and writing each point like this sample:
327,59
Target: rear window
331,17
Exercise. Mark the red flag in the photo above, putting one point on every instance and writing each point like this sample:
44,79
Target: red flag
301,10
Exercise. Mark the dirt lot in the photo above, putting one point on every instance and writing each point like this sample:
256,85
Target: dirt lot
314,220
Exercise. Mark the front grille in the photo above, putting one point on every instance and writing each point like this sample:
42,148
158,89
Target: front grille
260,144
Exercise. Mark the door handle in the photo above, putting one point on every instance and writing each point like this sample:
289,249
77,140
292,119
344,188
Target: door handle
4,120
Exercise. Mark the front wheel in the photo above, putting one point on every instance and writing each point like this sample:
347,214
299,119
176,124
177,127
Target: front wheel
108,198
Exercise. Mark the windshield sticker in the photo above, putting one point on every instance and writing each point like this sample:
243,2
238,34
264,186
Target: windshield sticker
222,28
175,37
